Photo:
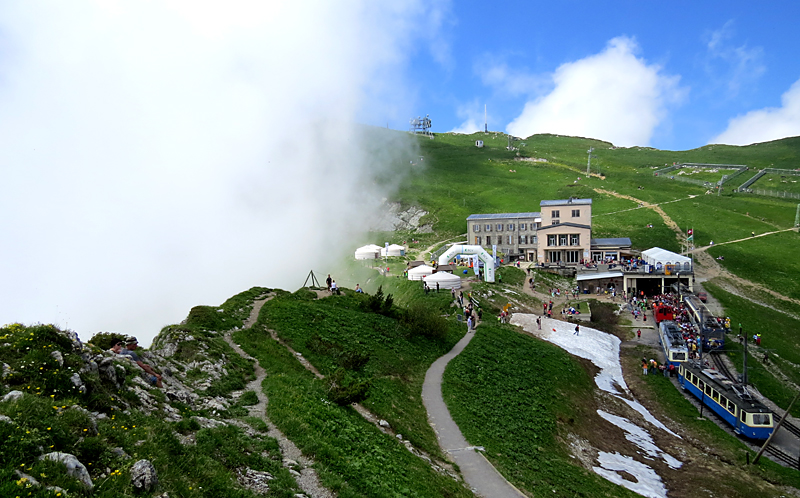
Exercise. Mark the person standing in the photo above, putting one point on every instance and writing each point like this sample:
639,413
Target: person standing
328,281
639,333
577,330
539,322
469,323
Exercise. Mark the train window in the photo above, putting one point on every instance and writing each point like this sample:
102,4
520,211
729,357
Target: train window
728,404
761,419
742,415
715,396
679,356
707,389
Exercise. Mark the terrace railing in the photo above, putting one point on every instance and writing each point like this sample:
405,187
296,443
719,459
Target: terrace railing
774,193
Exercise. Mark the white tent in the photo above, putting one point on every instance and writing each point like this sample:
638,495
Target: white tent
419,272
661,257
444,279
393,250
370,251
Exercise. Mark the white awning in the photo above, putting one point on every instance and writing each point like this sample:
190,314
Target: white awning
597,276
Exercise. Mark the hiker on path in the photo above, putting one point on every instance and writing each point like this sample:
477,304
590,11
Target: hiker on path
639,333
539,322
577,330
328,281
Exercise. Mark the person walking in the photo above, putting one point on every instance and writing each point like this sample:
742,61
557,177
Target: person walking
469,324
639,334
539,322
577,330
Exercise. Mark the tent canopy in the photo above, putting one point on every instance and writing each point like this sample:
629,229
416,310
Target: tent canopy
657,256
370,251
393,250
445,280
419,272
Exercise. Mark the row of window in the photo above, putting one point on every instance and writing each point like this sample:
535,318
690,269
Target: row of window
562,256
572,239
555,214
509,227
521,239
730,406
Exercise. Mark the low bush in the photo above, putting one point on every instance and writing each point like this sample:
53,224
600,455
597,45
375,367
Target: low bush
424,321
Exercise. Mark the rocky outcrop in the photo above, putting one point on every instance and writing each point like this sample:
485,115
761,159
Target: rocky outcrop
74,468
143,476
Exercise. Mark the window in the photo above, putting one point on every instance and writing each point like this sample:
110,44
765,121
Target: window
576,213
573,256
477,241
522,227
551,240
523,239
533,239
555,214
679,356
499,227
511,227
730,406
761,419
562,239
488,228
488,240
742,415
510,241
476,228
686,266
575,240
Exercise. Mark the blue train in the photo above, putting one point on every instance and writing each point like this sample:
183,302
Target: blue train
675,350
731,402
711,328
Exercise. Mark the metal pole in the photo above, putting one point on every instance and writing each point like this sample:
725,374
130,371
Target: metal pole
744,371
778,426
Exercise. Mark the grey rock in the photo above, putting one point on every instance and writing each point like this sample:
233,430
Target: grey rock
120,453
5,419
74,468
12,396
76,380
383,423
143,476
6,370
22,475
58,357
254,480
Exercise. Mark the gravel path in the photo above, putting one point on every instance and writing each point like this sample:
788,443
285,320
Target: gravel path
478,473
307,478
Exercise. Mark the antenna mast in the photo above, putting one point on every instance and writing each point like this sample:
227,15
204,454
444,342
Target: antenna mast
485,121
589,163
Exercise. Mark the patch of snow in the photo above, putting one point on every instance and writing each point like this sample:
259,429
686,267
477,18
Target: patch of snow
648,483
641,438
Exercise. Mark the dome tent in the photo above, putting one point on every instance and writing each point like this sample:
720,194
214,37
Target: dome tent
419,272
370,251
393,250
444,279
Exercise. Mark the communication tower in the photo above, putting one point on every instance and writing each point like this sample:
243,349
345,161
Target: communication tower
420,126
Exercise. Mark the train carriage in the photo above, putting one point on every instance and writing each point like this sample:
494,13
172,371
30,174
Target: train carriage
711,328
662,312
671,336
732,403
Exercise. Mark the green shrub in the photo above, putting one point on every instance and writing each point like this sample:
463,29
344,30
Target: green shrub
104,340
423,321
344,390
248,398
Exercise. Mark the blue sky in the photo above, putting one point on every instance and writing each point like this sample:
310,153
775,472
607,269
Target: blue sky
700,64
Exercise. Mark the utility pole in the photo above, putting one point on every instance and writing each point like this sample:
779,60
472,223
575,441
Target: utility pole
744,369
589,162
485,120
797,217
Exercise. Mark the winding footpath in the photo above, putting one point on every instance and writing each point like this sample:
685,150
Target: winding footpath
478,473
307,478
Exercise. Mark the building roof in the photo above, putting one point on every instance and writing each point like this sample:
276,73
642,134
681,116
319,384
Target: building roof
597,276
565,224
566,202
611,242
502,216
657,255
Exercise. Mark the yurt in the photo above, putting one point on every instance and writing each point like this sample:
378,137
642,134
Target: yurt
370,251
393,250
445,281
419,272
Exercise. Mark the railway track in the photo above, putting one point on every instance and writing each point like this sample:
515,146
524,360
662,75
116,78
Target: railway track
721,367
782,456
789,426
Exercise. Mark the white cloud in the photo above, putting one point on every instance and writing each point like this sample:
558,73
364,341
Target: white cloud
762,125
733,66
511,82
612,96
473,116
157,156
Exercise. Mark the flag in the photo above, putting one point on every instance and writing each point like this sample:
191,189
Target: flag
690,231
691,237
